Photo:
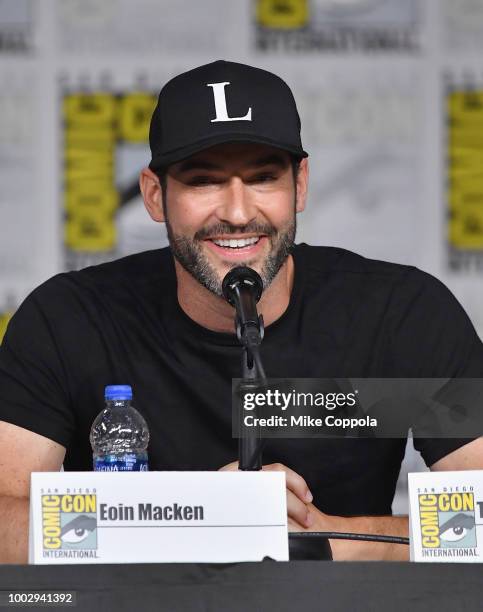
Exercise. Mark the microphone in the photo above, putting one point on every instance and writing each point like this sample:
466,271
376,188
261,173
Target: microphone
242,288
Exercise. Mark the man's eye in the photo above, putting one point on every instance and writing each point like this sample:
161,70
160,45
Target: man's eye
199,181
265,177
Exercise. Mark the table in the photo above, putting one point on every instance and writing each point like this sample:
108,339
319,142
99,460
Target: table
276,587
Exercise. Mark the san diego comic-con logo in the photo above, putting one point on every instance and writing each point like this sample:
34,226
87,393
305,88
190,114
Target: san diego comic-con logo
447,521
300,26
69,523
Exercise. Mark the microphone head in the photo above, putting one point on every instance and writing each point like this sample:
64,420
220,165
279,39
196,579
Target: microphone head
242,276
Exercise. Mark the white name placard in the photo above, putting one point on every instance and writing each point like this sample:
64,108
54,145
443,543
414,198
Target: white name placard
151,517
446,516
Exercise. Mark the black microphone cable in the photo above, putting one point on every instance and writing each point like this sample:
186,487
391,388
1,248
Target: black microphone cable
337,535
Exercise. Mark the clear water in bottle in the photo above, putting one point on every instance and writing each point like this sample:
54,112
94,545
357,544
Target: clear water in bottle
119,434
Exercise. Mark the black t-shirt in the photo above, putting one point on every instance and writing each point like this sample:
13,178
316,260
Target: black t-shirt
120,323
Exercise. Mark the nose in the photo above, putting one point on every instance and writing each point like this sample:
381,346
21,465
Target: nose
237,207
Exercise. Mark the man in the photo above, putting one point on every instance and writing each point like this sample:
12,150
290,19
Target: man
228,175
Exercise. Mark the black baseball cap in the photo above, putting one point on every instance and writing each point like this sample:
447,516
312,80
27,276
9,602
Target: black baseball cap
222,102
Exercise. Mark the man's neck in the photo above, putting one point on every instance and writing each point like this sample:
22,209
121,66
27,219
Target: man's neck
216,314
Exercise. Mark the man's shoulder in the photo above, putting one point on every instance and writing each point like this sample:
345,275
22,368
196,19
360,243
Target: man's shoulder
335,260
132,276
137,268
352,272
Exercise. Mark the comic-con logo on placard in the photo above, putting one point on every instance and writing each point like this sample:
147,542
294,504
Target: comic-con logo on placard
447,522
69,525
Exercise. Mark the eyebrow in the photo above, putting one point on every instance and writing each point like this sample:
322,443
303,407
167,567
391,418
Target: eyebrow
202,164
197,164
270,160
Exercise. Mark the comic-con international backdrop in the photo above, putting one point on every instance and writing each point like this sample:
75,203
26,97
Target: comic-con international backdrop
391,98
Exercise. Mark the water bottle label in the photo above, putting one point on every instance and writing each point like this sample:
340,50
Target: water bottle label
129,462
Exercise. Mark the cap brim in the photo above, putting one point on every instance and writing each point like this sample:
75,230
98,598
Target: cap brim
171,157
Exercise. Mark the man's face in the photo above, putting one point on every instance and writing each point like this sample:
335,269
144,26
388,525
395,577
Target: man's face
231,205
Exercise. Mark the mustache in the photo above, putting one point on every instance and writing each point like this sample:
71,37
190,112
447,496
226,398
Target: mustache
226,229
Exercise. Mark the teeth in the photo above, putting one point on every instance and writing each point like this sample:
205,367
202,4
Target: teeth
237,243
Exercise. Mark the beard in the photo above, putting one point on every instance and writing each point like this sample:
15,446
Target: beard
189,252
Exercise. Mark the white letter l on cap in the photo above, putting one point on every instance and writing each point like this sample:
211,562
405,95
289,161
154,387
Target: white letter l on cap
220,104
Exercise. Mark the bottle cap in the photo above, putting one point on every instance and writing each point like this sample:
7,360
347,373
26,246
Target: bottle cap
118,392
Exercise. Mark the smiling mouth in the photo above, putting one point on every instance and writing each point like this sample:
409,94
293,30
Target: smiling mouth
235,243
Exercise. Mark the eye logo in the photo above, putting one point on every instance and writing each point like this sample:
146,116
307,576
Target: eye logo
78,529
457,527
69,522
447,520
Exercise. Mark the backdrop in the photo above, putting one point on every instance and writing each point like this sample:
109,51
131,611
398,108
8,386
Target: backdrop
390,93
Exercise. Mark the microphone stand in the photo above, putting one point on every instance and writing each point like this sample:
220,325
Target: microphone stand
253,378
242,287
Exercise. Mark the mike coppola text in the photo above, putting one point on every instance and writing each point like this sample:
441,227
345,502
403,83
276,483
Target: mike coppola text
369,407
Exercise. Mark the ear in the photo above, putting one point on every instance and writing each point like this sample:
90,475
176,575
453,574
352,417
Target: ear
302,184
152,194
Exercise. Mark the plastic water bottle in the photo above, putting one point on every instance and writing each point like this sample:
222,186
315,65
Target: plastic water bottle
119,434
